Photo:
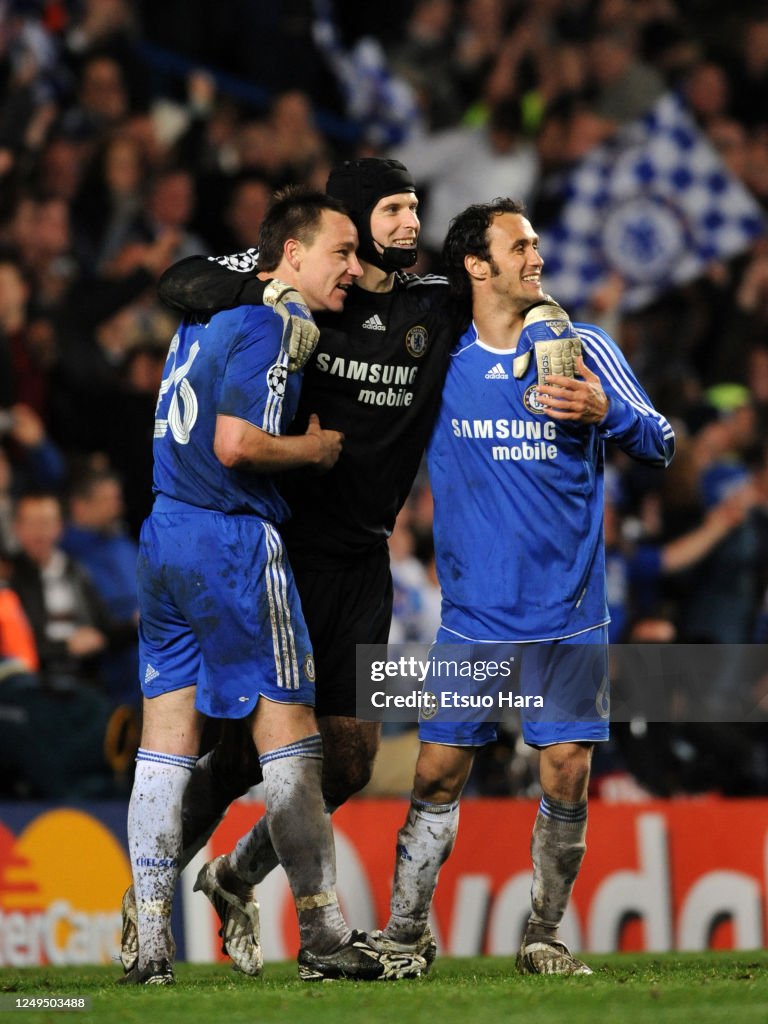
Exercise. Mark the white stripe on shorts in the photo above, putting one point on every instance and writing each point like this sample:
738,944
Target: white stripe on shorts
283,641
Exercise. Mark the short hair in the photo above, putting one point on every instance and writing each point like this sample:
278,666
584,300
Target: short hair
84,482
295,212
38,495
468,236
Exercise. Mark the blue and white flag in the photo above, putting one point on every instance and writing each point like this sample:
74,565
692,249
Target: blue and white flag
654,204
382,103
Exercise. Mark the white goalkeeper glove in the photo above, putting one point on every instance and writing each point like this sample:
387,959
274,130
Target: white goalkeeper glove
548,330
300,332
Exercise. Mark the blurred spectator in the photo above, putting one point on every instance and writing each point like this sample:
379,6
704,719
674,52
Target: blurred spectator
95,537
479,37
416,601
636,568
626,87
101,24
425,59
468,165
707,92
55,744
71,625
167,214
18,652
46,250
248,203
36,460
749,73
127,437
110,199
718,597
295,137
102,103
95,356
60,168
730,140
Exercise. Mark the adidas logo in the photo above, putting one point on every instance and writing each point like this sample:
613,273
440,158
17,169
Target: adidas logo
375,324
497,372
557,327
150,674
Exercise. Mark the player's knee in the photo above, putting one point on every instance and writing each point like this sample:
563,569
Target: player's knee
349,750
565,770
341,781
434,785
441,772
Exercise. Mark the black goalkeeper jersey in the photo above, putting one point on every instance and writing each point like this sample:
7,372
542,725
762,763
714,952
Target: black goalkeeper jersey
377,376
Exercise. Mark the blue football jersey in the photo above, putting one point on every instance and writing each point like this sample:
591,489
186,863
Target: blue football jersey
233,365
518,519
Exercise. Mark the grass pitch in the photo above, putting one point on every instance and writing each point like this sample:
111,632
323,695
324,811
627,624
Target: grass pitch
697,988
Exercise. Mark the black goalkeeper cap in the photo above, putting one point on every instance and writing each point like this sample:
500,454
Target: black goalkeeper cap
359,185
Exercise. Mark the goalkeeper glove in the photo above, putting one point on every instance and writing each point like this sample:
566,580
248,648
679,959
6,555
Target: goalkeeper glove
548,329
300,332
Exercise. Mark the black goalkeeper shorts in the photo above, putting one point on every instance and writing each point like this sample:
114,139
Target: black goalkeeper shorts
344,606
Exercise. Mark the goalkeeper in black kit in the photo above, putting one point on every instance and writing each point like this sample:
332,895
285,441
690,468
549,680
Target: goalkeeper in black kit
376,376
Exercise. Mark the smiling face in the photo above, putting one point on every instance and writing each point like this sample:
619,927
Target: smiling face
515,264
394,222
324,268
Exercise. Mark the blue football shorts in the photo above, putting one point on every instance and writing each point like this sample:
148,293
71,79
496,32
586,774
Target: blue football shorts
568,678
220,611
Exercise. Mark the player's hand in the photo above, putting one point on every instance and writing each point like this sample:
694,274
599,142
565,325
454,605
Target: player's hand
328,443
300,332
85,641
568,398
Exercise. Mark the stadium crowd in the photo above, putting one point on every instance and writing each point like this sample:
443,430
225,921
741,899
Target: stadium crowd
134,134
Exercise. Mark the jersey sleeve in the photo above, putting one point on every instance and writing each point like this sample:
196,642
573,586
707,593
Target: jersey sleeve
256,373
632,422
204,285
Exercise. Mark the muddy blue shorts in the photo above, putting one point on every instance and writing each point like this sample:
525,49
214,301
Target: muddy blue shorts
219,611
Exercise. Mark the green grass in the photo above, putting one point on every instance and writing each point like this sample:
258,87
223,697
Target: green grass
698,988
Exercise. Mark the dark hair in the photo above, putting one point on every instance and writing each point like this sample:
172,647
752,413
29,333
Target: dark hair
39,495
85,480
468,236
295,212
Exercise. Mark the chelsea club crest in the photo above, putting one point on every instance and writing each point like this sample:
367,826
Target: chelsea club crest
531,400
416,341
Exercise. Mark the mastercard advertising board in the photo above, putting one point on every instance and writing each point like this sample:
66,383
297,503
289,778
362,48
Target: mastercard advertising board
682,875
63,871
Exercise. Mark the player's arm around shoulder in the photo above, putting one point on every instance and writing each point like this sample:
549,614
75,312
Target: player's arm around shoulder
251,416
199,286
